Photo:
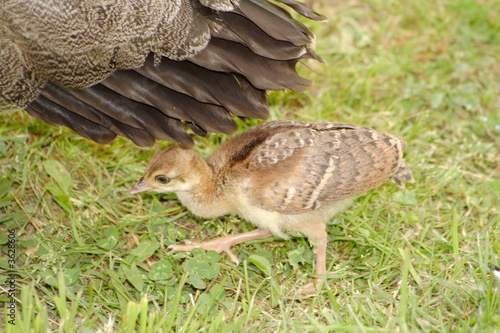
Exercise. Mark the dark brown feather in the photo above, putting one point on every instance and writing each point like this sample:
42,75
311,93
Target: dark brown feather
139,88
232,92
262,72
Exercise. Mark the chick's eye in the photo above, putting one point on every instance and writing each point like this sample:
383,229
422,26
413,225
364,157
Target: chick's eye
161,179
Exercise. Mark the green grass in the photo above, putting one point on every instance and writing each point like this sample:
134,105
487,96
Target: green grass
92,257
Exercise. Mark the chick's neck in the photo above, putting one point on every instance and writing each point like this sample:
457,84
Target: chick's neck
205,199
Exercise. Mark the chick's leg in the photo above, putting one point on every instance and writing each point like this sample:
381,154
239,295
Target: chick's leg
320,237
223,244
321,259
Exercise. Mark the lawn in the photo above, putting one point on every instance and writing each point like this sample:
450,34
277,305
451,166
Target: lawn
90,257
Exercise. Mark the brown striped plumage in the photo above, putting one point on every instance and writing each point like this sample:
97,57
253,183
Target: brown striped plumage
283,176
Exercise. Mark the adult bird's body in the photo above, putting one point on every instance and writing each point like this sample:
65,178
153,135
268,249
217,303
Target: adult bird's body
282,176
143,69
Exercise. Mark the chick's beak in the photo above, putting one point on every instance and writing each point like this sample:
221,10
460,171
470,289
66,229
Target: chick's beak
141,186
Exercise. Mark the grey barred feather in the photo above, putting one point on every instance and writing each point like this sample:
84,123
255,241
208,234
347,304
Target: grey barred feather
194,62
